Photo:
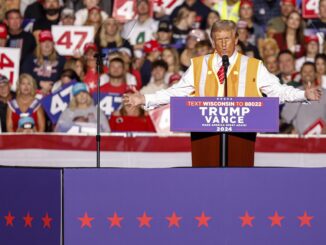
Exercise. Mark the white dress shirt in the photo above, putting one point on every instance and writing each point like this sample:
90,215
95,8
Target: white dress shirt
268,84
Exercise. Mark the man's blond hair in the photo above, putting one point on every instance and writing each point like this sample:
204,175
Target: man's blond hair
224,25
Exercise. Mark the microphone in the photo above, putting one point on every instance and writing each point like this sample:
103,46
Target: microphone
225,61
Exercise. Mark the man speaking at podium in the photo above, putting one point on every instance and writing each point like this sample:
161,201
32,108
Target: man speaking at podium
246,77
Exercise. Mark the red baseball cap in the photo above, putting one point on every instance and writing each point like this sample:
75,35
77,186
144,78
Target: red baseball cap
246,2
3,31
89,46
152,46
45,35
293,2
311,38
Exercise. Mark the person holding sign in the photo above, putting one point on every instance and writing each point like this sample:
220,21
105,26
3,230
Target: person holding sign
46,64
141,30
24,105
18,38
246,77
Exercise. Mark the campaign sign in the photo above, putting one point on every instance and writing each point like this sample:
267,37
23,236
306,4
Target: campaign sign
109,102
191,206
30,206
167,6
9,64
161,119
224,114
125,10
310,9
70,40
55,103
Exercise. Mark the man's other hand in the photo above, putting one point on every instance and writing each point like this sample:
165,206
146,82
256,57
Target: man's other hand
133,99
313,93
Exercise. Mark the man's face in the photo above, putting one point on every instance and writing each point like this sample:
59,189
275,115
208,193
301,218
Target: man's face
224,42
143,8
158,73
116,70
322,9
286,64
14,22
308,74
164,37
68,20
51,4
286,9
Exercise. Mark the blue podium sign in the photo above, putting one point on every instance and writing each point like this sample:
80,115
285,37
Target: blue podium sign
224,114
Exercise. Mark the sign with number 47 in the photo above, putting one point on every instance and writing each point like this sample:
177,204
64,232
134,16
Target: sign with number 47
310,8
70,40
9,64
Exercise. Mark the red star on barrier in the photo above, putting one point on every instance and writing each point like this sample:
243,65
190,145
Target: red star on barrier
86,221
9,219
115,220
276,219
174,220
28,220
247,219
47,221
144,220
203,219
305,219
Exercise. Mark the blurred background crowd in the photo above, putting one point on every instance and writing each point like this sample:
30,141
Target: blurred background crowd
146,46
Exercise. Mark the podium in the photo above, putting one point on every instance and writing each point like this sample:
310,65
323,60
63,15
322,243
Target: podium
240,118
205,153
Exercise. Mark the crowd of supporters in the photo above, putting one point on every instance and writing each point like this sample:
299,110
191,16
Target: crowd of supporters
149,53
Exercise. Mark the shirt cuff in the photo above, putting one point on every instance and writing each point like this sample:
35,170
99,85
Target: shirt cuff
303,98
148,105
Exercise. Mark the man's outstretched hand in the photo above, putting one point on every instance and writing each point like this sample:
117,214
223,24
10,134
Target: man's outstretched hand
133,99
313,93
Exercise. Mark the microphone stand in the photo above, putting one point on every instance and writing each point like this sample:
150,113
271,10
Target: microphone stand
224,136
99,66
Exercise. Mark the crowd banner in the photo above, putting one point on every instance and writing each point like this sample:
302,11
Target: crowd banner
54,104
166,6
310,9
224,114
70,40
9,64
109,102
125,10
161,118
30,206
195,206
